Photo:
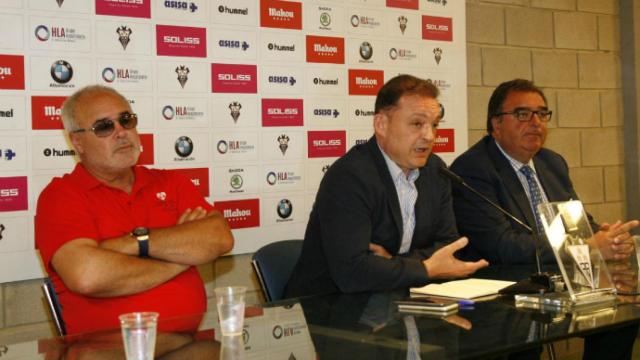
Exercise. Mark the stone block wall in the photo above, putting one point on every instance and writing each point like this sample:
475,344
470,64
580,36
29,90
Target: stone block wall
571,48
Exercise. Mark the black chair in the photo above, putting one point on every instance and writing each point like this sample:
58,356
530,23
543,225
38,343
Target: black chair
54,306
274,264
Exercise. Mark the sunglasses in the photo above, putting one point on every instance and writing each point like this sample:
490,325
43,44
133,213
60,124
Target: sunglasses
105,127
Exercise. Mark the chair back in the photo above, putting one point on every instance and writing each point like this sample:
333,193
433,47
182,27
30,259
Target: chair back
273,264
54,306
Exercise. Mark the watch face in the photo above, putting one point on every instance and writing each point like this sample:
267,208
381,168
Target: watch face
140,231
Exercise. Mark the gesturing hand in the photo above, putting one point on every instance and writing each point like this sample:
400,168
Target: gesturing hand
442,264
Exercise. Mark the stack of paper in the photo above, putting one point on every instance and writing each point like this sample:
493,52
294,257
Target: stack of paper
464,289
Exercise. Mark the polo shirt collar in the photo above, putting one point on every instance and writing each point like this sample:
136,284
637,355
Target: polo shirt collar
85,181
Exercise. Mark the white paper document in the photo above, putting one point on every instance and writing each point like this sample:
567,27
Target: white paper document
464,289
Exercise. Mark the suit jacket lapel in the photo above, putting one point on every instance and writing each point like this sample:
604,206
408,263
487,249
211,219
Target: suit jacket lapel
387,181
511,182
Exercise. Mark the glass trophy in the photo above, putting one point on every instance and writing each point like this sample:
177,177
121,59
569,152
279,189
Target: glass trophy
584,271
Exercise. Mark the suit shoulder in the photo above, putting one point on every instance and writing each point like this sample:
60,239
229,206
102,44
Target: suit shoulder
474,157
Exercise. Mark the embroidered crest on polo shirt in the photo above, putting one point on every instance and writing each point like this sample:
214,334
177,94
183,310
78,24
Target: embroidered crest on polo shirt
162,196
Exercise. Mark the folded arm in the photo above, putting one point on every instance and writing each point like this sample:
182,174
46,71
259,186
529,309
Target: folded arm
197,238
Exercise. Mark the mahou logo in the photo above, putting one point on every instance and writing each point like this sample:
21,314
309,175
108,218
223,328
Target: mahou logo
281,14
232,78
181,41
444,141
128,8
146,150
12,72
46,112
13,193
240,213
404,4
325,49
326,143
365,82
437,28
282,112
199,178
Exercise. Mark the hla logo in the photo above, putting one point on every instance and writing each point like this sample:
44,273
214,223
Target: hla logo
181,5
7,154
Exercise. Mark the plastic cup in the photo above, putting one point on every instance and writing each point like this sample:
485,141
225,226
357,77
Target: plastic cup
230,301
139,334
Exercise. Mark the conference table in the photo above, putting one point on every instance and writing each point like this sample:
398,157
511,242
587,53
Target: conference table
358,326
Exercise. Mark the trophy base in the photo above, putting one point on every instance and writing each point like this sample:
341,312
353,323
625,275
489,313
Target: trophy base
562,302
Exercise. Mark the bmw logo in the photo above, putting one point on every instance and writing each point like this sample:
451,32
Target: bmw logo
285,208
61,72
366,50
271,178
222,147
42,33
108,74
184,146
167,112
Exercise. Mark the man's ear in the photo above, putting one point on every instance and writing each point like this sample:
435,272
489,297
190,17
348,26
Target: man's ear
496,121
77,144
380,122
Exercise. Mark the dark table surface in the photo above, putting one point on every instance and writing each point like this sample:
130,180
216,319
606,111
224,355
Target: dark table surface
358,326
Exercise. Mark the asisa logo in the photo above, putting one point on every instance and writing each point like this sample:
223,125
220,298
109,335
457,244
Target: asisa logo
181,5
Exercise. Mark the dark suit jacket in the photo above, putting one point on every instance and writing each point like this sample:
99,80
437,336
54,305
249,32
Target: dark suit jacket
492,235
356,205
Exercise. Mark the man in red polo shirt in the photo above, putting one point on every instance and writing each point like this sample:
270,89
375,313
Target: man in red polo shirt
116,237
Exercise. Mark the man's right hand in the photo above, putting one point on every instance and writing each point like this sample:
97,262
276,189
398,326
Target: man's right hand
191,215
443,265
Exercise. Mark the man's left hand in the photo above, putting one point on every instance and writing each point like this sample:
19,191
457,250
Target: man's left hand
615,241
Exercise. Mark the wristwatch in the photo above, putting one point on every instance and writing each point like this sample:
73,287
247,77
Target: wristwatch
142,235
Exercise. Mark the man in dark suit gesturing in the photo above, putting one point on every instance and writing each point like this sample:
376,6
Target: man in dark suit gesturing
383,216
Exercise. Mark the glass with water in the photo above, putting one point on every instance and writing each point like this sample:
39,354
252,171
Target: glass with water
139,334
230,301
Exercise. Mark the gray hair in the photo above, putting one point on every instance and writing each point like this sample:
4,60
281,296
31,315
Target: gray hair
71,104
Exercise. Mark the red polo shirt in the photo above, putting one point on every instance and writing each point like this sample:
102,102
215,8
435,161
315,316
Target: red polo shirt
79,206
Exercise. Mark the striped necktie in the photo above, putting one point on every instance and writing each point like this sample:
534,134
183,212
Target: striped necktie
535,192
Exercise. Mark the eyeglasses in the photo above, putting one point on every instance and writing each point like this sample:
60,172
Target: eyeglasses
525,115
441,111
105,127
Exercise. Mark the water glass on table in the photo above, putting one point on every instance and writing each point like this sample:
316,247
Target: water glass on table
139,334
230,301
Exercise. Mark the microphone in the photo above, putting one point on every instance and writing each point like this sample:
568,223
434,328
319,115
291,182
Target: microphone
538,282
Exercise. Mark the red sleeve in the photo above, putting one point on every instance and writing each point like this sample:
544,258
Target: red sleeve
61,216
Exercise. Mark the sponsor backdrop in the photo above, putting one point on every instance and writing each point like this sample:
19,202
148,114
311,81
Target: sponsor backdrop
252,100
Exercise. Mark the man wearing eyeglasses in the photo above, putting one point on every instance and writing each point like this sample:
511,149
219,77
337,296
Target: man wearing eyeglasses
513,169
116,237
